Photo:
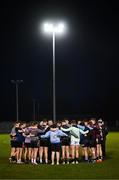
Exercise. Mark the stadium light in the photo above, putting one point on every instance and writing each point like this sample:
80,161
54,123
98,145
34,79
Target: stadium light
50,28
54,28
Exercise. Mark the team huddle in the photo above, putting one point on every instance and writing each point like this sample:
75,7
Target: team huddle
62,142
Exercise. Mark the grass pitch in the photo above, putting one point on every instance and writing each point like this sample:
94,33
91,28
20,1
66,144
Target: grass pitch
107,169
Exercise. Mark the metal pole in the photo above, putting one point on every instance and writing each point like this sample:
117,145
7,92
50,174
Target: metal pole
54,91
34,110
17,82
38,111
17,102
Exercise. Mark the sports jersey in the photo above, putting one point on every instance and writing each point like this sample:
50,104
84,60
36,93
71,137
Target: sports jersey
33,133
54,136
26,134
75,132
19,135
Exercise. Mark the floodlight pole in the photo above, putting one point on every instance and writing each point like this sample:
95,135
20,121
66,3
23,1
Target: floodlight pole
38,111
54,88
34,109
17,102
51,28
17,82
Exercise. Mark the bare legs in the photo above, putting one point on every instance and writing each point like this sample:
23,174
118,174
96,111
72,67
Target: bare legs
65,154
86,153
99,151
34,155
45,151
19,155
57,157
75,153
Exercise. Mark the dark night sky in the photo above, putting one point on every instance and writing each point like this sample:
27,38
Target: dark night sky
86,58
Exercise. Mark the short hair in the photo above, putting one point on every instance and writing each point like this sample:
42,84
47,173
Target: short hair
54,126
73,121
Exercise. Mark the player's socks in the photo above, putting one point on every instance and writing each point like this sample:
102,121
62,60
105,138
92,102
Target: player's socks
57,163
52,163
73,161
41,161
93,160
76,160
67,161
19,161
100,159
32,160
13,158
10,159
97,159
63,161
46,161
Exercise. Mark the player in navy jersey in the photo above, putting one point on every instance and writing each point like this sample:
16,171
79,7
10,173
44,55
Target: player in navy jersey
93,132
85,140
99,139
65,142
13,142
20,141
104,135
43,143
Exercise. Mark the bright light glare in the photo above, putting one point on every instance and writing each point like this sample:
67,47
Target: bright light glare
50,28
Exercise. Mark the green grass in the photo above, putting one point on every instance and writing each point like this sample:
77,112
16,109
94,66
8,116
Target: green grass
107,169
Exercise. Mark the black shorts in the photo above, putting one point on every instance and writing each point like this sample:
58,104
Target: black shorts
27,145
93,143
99,141
34,144
85,143
65,141
56,147
44,142
13,144
81,141
19,144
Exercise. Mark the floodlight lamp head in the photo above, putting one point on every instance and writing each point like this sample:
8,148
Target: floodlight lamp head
51,28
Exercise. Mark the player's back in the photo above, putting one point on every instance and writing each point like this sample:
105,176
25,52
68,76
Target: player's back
75,133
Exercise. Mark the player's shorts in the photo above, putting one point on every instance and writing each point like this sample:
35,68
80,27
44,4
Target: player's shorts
56,147
27,145
92,143
34,144
13,144
44,143
74,142
85,143
81,141
19,144
65,141
99,141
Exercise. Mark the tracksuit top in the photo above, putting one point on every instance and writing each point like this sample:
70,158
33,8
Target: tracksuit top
75,132
54,136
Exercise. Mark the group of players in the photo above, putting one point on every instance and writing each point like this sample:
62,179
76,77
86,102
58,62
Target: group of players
62,142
